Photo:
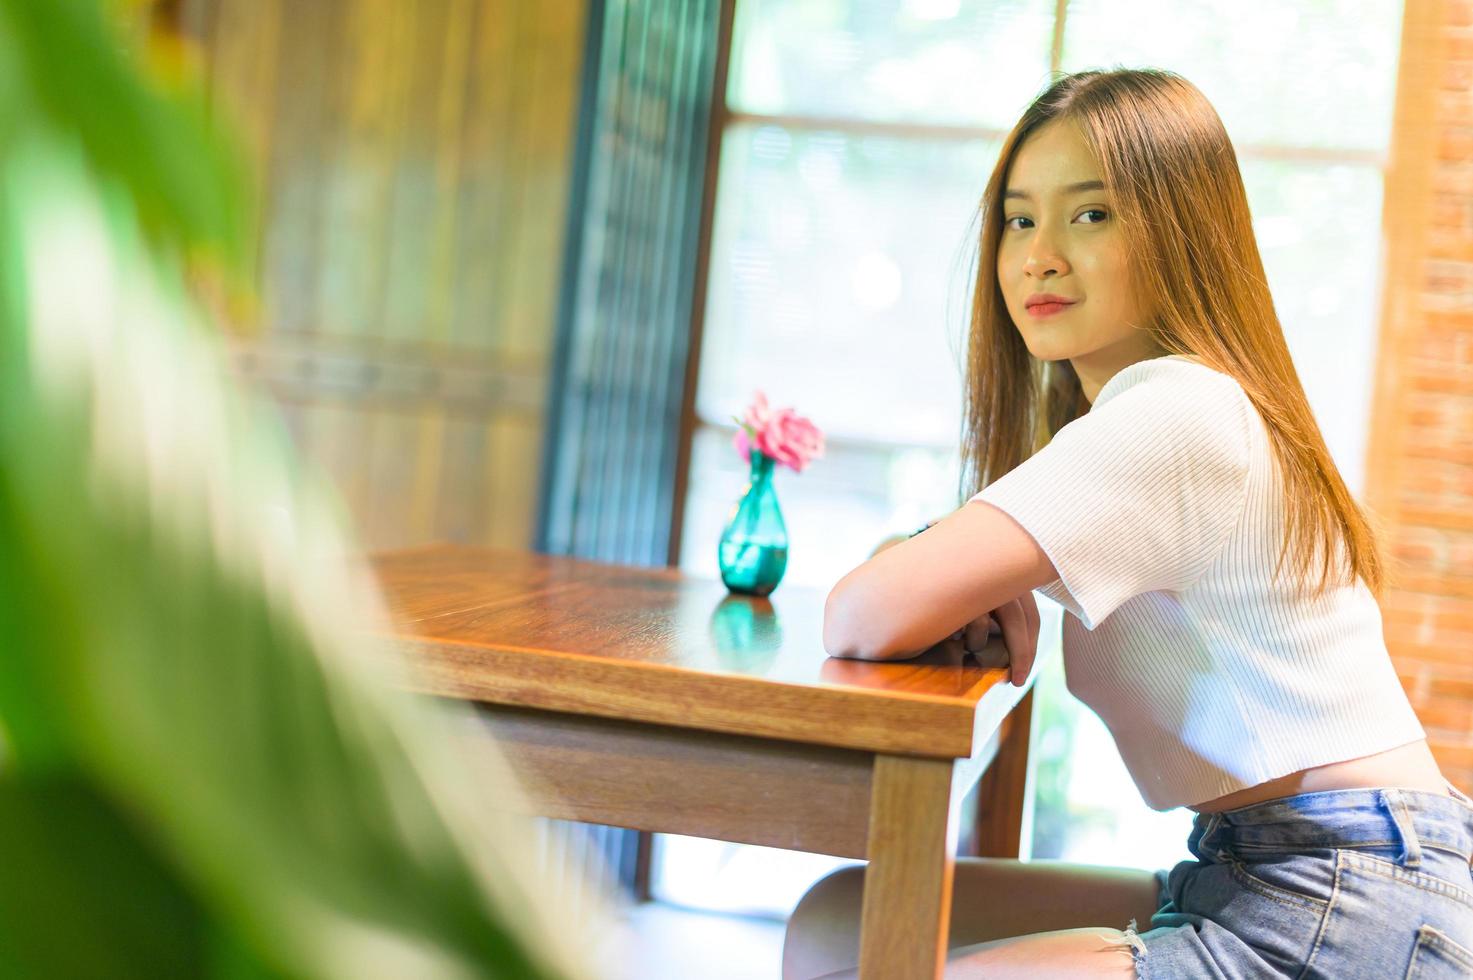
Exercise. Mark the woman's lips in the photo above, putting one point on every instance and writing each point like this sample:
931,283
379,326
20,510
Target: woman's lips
1048,309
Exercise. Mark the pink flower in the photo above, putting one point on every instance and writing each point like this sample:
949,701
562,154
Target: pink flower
782,434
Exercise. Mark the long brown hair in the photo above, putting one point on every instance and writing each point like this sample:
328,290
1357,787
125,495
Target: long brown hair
1180,202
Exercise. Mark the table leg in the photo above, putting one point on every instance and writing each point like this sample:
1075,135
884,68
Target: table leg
1004,802
907,888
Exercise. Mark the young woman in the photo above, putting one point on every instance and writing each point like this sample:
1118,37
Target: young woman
1147,458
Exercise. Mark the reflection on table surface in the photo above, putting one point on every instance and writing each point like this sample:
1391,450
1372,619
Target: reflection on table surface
507,599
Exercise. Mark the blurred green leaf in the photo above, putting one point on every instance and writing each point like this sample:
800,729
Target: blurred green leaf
194,715
69,69
139,920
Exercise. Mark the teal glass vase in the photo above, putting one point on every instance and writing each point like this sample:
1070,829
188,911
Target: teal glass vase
754,546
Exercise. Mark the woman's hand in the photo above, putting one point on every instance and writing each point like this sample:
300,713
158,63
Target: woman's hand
1018,622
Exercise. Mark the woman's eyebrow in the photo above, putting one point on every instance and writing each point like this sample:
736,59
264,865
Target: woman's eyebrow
1083,185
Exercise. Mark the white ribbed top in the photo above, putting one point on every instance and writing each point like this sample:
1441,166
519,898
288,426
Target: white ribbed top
1162,511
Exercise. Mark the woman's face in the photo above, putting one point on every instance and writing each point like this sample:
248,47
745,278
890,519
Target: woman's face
1064,239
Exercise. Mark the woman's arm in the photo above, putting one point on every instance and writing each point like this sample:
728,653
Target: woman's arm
895,539
910,596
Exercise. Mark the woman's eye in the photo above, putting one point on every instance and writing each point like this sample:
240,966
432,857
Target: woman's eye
1098,211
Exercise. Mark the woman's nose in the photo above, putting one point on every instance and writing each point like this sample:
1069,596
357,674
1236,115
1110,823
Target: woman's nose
1043,262
1043,257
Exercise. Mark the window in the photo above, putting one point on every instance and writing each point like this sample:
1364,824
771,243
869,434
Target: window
856,144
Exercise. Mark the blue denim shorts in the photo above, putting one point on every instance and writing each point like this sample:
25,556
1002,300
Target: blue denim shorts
1374,883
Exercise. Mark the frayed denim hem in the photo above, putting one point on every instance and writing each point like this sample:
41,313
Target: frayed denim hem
1138,951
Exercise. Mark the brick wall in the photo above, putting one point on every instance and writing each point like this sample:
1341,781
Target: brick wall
1421,454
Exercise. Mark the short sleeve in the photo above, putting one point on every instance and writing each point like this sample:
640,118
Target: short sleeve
1140,493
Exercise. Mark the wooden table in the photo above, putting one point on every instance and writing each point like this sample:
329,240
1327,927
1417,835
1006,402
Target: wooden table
650,699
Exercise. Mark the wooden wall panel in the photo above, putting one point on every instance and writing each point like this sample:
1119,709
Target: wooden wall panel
413,162
366,157
512,492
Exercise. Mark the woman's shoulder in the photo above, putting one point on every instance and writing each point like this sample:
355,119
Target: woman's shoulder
1173,404
1181,376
